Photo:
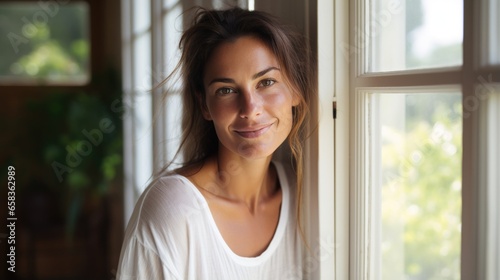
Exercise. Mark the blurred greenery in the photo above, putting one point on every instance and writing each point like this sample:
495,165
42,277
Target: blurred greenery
44,44
421,192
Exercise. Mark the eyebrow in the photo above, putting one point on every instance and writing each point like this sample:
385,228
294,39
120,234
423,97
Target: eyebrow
255,76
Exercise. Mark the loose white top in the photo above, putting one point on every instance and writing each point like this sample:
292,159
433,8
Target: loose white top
172,235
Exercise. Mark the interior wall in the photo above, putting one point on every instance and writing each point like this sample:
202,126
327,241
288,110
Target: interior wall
292,12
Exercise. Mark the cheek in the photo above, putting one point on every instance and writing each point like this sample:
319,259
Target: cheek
281,106
280,102
221,112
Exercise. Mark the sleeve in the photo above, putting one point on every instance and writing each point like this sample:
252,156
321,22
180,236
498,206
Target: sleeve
137,262
151,249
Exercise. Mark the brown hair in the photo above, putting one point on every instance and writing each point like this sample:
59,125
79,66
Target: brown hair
210,28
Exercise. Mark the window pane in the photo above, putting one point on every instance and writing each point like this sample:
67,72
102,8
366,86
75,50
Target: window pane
172,26
141,16
173,108
143,140
47,42
420,154
143,102
414,34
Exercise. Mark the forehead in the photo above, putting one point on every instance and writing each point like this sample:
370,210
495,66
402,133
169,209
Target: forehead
245,55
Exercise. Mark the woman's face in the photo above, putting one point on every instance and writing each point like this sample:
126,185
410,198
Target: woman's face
247,98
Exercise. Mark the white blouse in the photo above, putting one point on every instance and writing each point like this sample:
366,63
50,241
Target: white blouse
172,235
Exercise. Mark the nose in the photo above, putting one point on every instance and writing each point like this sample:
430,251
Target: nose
250,104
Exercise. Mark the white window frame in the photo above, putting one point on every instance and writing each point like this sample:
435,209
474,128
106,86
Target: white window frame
328,152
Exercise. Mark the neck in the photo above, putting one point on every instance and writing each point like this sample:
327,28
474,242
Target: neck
244,181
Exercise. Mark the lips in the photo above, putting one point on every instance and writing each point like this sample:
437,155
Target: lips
253,132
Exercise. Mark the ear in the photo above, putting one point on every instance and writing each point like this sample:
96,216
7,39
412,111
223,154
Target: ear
203,106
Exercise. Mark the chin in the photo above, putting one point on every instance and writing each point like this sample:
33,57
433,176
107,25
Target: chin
252,151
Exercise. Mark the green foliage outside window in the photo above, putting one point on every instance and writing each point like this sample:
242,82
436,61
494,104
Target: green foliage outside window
46,43
421,192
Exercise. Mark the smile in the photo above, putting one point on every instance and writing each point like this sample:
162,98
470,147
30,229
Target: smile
252,132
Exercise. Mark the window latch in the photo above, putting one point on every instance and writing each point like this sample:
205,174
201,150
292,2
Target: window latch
334,109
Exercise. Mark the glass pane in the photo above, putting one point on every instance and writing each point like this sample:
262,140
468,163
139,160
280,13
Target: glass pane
172,26
47,43
173,131
420,153
141,16
143,108
143,139
414,34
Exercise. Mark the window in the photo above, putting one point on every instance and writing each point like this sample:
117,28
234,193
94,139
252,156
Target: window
416,112
47,43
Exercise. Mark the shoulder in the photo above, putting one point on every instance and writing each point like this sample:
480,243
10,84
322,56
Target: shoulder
159,228
171,193
166,204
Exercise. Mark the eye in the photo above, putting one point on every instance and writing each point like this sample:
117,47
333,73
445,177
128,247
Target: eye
224,91
267,83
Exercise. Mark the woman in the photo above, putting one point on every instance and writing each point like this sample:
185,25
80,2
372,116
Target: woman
230,212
